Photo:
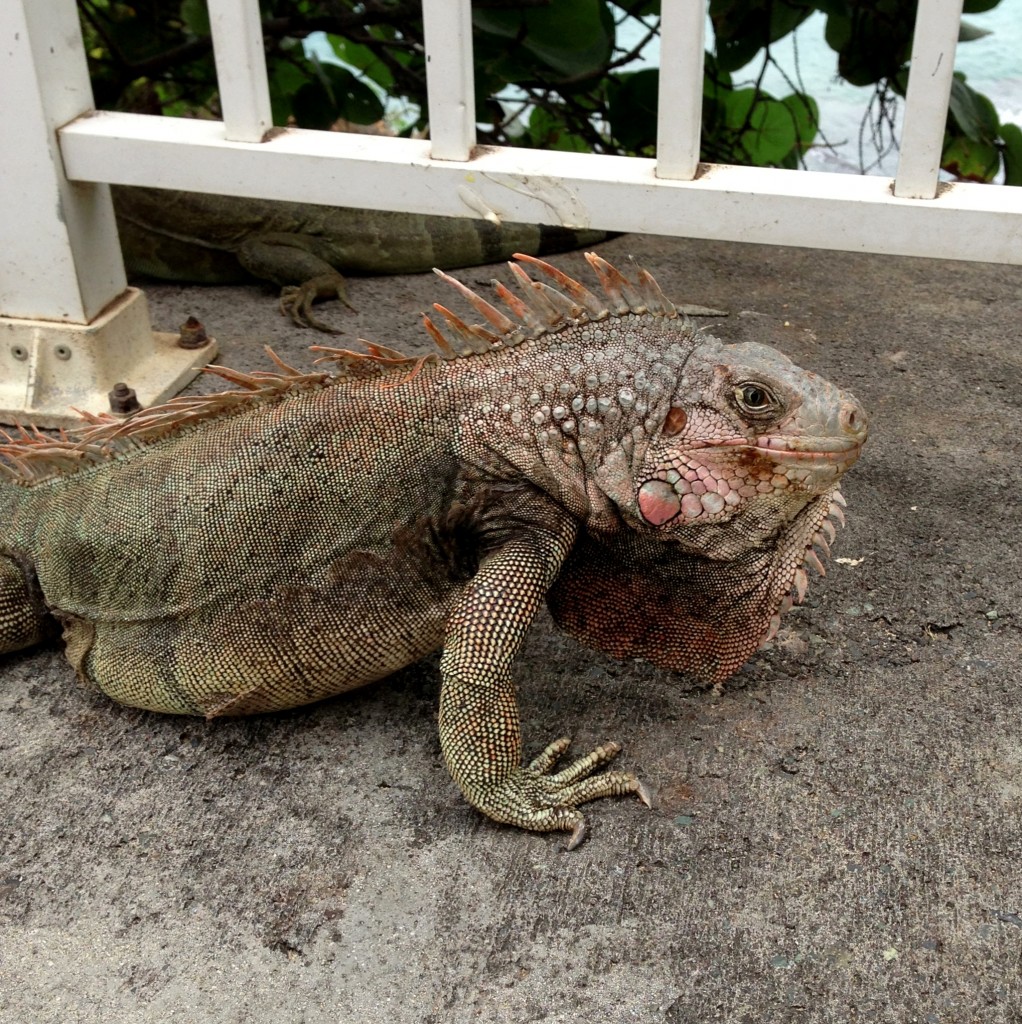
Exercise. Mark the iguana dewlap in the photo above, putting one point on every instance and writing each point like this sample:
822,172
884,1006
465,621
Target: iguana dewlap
312,532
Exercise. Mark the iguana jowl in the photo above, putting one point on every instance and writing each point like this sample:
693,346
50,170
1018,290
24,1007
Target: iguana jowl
312,532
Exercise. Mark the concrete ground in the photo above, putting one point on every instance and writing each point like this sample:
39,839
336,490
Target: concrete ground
838,832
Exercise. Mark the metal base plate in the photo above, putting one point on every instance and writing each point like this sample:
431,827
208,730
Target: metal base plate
48,370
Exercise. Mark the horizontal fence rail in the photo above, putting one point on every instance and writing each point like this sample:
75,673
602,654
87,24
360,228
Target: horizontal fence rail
675,194
803,208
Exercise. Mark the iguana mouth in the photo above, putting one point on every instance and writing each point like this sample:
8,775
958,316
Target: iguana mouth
792,449
836,457
813,447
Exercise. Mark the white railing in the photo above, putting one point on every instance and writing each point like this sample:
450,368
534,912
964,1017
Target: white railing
61,263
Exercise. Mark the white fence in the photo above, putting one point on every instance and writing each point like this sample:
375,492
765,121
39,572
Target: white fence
69,326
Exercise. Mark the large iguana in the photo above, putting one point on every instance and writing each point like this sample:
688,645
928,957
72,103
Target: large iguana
311,532
210,239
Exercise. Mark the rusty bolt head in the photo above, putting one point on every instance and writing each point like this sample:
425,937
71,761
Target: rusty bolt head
192,334
123,399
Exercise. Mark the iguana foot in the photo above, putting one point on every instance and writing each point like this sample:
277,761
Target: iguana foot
533,799
296,300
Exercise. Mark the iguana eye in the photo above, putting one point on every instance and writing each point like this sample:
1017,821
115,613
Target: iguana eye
755,399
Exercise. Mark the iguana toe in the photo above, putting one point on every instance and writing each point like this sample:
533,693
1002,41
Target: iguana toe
534,799
296,301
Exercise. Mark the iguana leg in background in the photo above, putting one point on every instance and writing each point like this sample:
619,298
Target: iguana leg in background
304,277
479,724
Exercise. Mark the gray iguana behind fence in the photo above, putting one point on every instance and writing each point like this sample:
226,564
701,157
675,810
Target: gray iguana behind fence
306,249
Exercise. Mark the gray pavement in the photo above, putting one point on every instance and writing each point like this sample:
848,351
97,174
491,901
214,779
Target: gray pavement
838,832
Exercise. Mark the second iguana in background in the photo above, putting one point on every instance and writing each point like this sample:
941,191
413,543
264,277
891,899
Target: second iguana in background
311,532
305,248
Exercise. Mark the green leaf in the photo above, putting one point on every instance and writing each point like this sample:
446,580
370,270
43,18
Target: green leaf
547,131
361,57
805,115
493,57
571,37
737,105
715,78
195,17
632,109
970,160
838,31
742,28
1011,136
974,114
872,40
285,79
836,7
638,8
335,93
786,17
771,135
967,32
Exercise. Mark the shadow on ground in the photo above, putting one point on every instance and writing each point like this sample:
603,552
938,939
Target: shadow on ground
838,834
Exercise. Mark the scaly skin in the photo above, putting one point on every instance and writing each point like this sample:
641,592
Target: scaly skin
306,249
240,554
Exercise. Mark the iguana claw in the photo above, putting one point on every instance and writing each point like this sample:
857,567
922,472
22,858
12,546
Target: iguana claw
581,830
296,300
578,834
533,799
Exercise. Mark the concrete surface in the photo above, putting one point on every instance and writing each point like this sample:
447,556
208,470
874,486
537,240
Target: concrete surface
838,836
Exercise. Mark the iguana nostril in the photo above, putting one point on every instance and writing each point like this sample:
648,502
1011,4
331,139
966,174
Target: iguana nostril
853,419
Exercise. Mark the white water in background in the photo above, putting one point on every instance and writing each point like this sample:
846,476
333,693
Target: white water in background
992,65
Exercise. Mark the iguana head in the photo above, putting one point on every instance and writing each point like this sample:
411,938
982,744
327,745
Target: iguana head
748,442
705,474
727,490
724,508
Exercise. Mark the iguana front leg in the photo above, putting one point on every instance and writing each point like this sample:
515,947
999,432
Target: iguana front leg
479,724
304,276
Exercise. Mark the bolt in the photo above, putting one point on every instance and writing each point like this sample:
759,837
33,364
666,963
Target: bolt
192,334
123,399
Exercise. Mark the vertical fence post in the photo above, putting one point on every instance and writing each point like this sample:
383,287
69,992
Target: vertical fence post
240,69
680,108
926,100
44,84
450,86
70,328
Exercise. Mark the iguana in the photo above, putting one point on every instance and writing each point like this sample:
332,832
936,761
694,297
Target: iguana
209,239
310,532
